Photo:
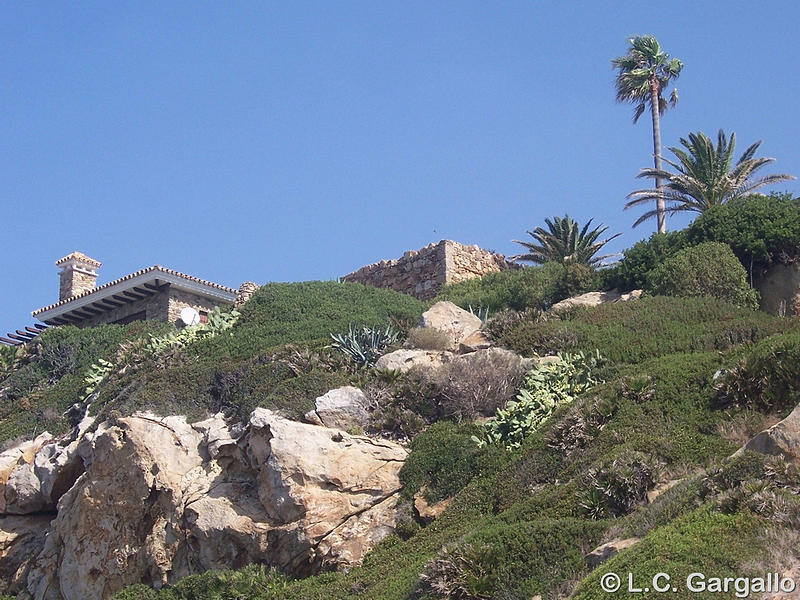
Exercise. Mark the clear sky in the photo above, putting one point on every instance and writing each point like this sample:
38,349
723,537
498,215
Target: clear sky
288,141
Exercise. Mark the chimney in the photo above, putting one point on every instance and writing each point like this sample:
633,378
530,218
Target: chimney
78,275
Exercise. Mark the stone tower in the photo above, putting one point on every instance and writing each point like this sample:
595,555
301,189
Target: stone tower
78,274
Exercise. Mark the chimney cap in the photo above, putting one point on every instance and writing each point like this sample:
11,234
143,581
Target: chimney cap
78,257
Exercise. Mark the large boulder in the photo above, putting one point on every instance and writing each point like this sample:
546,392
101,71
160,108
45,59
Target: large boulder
161,499
456,322
20,490
21,540
343,408
782,439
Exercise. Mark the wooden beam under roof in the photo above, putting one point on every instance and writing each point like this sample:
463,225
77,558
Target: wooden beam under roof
80,313
145,292
40,326
25,334
70,319
90,308
57,321
33,331
9,342
134,295
17,337
111,302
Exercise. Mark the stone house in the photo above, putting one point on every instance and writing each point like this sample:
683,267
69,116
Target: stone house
154,293
422,273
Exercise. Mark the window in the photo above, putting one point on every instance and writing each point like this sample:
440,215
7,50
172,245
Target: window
203,316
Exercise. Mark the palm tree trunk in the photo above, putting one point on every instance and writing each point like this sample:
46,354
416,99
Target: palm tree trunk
656,114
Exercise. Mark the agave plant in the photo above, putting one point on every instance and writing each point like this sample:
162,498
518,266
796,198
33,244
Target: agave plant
565,242
365,345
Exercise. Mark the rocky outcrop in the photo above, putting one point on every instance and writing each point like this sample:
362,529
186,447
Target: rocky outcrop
456,322
782,439
159,499
406,359
603,553
595,299
343,408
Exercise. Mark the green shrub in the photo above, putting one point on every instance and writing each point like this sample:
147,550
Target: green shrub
443,460
283,313
709,269
520,289
641,258
631,332
767,378
761,230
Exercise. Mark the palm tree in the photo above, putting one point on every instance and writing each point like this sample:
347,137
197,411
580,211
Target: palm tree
643,74
705,176
565,242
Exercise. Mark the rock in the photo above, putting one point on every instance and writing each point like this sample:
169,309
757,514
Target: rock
428,512
779,288
343,408
19,493
602,553
476,341
21,540
457,323
405,359
595,298
161,499
653,494
782,439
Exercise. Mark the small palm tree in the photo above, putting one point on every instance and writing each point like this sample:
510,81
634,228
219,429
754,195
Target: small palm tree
565,242
705,176
643,74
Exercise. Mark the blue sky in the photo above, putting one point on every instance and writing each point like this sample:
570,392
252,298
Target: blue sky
301,140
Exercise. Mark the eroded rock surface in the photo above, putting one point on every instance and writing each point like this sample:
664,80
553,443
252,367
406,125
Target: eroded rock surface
456,322
158,499
404,360
782,439
343,408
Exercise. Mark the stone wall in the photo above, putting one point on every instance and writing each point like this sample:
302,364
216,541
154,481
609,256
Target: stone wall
422,273
154,307
179,299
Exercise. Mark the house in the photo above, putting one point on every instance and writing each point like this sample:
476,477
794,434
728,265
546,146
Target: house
154,293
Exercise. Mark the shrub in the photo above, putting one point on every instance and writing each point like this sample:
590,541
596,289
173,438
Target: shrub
428,338
443,460
631,332
766,378
709,269
478,384
615,487
761,230
643,257
520,289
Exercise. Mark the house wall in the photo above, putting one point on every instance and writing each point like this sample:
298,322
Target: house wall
179,299
422,273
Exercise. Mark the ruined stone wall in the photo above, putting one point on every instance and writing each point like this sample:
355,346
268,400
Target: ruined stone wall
422,273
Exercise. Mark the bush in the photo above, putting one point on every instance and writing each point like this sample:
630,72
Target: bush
283,313
761,230
523,288
766,378
630,332
709,269
443,460
428,338
643,257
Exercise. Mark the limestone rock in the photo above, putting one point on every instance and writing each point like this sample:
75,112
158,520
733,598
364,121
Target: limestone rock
602,553
161,499
595,298
456,322
405,359
781,439
426,511
476,341
20,491
343,408
21,540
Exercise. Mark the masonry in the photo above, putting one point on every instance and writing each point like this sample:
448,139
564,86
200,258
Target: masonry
422,273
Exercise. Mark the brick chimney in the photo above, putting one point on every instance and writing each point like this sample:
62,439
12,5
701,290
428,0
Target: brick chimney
78,274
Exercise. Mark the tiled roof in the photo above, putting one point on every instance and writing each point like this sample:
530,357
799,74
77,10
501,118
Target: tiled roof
158,268
81,257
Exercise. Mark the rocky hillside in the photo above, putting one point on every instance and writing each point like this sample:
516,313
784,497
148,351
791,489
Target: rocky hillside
435,455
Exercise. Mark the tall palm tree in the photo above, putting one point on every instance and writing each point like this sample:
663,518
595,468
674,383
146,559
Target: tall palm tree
643,74
563,241
705,176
